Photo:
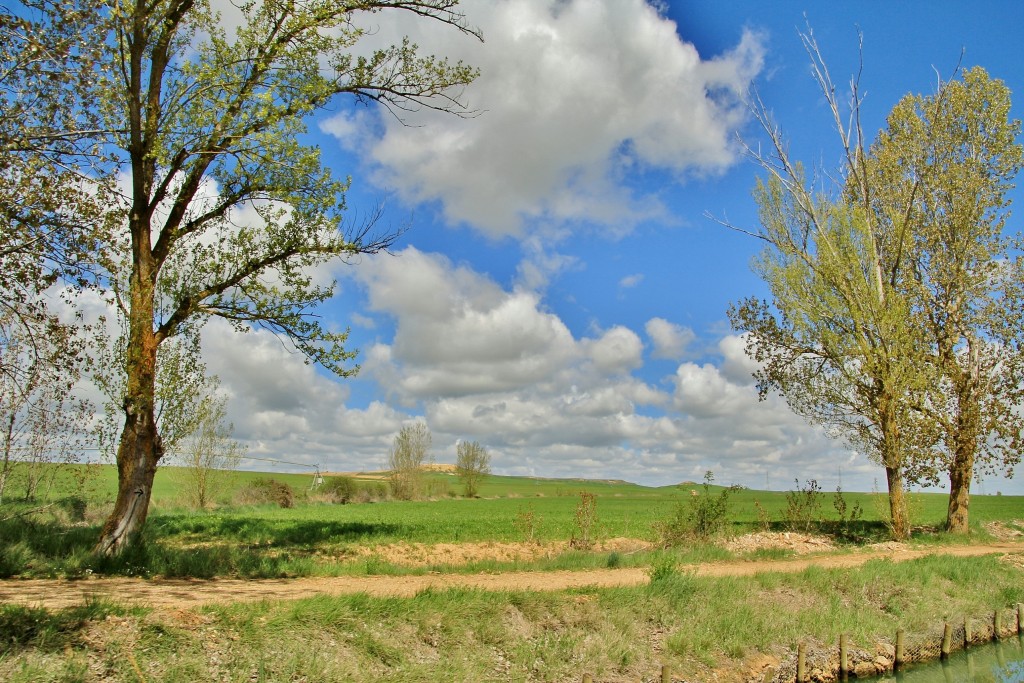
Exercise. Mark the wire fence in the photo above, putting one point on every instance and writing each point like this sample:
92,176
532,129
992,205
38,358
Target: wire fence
814,661
822,662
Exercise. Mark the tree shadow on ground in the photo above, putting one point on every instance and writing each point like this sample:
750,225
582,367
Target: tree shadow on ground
279,533
203,546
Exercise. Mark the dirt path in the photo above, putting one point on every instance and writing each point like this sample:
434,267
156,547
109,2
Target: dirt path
185,593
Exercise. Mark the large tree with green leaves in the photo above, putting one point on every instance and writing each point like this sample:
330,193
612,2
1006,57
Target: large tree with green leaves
836,340
939,176
897,310
49,216
217,207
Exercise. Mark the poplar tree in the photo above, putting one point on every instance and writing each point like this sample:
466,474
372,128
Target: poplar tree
48,217
897,309
835,340
212,203
940,174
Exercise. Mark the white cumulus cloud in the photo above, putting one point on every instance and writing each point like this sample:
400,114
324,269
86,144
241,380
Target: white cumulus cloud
574,97
669,340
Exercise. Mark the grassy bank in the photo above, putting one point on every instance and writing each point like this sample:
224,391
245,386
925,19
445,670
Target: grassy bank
694,624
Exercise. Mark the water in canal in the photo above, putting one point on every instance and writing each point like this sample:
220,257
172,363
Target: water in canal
998,662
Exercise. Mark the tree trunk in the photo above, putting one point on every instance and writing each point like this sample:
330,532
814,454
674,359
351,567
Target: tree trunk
140,448
959,494
137,457
961,468
900,519
964,440
138,453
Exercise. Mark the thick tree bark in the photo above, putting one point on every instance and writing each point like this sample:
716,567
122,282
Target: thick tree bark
137,458
961,469
963,441
891,450
957,515
138,454
897,504
140,449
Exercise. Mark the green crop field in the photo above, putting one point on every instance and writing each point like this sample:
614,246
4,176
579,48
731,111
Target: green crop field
698,625
318,537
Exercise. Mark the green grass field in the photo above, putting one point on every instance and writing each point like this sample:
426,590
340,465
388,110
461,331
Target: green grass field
700,626
319,538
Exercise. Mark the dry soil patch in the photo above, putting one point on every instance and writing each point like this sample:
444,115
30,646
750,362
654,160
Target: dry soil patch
186,593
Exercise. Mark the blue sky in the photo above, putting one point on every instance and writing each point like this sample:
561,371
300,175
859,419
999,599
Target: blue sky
560,295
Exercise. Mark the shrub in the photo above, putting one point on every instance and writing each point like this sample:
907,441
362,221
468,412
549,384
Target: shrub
339,490
847,516
527,522
586,518
264,490
702,516
803,506
764,520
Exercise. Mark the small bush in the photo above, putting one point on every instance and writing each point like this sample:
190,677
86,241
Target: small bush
263,491
527,522
339,490
663,569
586,518
848,516
764,520
803,506
702,516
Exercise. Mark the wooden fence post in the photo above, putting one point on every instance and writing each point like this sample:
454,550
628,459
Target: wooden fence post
666,674
898,659
967,632
587,678
769,675
801,663
997,624
844,660
1020,617
947,639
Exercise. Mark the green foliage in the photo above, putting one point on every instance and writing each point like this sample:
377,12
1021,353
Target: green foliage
472,464
208,119
339,489
803,506
406,459
263,491
585,518
704,515
663,569
942,172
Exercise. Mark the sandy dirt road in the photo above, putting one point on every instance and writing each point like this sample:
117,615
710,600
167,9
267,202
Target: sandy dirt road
186,593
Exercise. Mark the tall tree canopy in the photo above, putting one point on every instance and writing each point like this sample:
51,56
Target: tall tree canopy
896,313
215,207
48,217
939,176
